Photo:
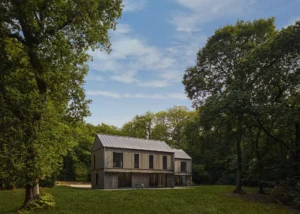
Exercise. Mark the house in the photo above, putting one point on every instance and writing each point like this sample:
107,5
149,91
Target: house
119,161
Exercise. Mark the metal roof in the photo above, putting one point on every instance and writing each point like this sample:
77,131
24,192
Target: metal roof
112,141
180,154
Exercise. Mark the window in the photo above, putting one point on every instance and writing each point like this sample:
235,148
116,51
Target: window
118,160
94,161
97,178
150,161
136,161
183,166
165,162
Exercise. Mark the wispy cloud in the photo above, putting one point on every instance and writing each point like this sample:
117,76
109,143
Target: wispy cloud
293,20
201,11
94,78
116,95
134,5
131,55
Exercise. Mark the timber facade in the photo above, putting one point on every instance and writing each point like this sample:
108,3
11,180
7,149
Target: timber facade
123,162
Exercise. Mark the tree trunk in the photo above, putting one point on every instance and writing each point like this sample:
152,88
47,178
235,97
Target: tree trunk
238,188
28,194
32,192
36,189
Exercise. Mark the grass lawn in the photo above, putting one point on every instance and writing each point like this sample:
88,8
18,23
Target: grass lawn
201,199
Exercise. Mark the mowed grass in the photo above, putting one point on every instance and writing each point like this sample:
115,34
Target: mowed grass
201,199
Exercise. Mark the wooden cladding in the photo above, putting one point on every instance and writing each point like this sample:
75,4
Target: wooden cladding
147,159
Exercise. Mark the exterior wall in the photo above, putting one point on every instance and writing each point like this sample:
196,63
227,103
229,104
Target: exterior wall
128,159
111,181
139,178
99,158
178,167
100,179
170,180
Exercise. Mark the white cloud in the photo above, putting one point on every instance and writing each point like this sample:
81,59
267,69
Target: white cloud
123,28
104,93
134,5
154,84
202,11
131,55
293,21
127,77
115,95
94,78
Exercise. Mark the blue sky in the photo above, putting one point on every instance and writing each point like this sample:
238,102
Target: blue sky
155,41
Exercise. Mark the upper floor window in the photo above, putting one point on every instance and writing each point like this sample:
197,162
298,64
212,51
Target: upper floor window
165,164
136,161
150,161
118,159
183,166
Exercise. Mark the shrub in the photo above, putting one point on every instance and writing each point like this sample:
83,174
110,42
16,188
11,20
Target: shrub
45,201
280,193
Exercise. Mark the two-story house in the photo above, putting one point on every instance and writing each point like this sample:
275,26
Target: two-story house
125,162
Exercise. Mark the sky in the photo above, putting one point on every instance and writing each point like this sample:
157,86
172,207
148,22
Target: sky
154,43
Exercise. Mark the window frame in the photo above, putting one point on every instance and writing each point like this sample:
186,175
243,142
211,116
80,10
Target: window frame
151,162
115,165
183,163
136,161
165,162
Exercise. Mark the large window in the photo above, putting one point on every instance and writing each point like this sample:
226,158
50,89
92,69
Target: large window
183,166
136,161
97,178
165,164
150,161
118,159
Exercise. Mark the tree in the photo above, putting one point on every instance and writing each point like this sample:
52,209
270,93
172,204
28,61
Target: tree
217,75
44,45
140,126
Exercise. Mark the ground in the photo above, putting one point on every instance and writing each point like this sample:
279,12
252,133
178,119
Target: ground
201,199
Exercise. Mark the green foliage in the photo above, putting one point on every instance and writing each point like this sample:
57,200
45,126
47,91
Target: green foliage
199,173
45,201
43,65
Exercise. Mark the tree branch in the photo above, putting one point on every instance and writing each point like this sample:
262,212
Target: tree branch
274,138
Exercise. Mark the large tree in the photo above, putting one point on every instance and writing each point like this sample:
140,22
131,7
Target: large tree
43,64
218,79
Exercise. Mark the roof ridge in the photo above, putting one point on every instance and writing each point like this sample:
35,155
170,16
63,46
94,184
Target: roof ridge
132,137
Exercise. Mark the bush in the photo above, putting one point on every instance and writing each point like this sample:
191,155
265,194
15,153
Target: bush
280,193
45,201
